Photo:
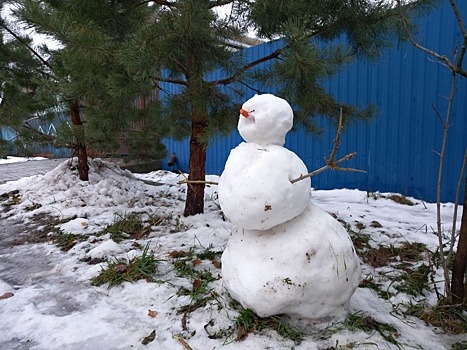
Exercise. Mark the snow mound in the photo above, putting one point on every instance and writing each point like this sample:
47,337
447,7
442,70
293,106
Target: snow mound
108,186
104,250
77,226
5,287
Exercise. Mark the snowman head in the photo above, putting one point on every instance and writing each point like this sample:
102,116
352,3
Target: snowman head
265,120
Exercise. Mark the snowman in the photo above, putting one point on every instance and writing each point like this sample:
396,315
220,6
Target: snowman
286,255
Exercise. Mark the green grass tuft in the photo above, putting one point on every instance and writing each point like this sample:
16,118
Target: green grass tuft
361,241
371,284
248,322
66,241
451,318
360,321
414,281
127,226
121,270
462,345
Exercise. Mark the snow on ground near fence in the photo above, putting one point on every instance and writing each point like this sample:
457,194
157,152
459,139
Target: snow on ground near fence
13,159
47,300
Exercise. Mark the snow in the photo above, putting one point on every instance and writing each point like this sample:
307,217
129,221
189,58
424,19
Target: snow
54,305
106,249
305,267
13,159
255,191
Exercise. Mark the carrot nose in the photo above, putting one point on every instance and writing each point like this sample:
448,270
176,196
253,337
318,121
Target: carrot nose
245,113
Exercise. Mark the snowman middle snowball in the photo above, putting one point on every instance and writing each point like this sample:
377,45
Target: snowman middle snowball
255,189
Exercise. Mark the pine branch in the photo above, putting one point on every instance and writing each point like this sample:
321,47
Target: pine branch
168,80
216,3
248,66
309,35
43,136
159,2
25,44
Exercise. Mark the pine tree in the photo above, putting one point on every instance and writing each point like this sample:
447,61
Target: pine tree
87,80
21,94
187,39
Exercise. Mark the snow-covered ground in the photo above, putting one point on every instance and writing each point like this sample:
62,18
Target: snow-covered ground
47,300
13,159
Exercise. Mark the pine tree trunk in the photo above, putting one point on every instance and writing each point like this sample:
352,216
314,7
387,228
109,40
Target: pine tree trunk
195,193
80,148
460,260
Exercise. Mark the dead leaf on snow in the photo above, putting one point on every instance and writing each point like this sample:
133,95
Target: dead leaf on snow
178,254
152,313
149,338
197,262
216,263
6,295
197,284
120,268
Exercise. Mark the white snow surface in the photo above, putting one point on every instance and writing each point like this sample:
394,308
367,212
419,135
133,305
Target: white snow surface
270,118
306,267
255,191
54,305
13,159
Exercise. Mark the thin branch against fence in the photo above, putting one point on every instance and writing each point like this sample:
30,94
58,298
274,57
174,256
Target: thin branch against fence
330,162
456,68
463,30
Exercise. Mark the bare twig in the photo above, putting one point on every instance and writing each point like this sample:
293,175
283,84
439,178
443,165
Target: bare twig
186,181
463,30
330,166
337,140
444,261
455,68
182,341
197,182
330,162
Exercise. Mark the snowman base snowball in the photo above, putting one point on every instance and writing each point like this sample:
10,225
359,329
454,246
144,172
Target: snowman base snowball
306,268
